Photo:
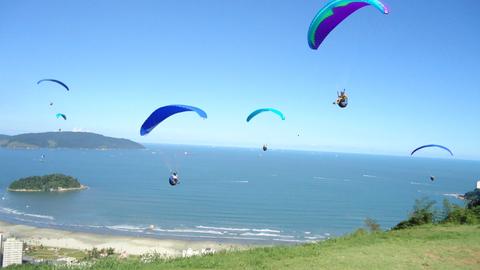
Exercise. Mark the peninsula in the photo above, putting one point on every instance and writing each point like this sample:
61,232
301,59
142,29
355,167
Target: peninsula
66,139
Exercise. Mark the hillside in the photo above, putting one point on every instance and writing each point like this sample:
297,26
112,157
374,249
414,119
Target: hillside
66,140
426,247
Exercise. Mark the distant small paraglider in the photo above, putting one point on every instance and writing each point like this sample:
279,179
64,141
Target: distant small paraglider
61,115
51,103
265,148
173,179
342,99
434,146
55,81
259,111
432,178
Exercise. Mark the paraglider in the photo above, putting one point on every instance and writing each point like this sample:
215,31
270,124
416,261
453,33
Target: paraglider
432,178
61,115
259,111
162,113
332,14
342,99
432,145
173,179
51,103
55,81
165,112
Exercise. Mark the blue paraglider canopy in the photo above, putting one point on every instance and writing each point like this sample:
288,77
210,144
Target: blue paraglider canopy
432,145
55,81
163,113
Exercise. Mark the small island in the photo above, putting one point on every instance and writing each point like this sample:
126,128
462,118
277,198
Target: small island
46,183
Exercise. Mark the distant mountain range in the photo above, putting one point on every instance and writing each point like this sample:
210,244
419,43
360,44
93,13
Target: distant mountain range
64,139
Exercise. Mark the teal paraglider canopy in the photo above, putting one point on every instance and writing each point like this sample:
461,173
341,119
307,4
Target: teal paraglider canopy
61,115
432,145
259,111
162,113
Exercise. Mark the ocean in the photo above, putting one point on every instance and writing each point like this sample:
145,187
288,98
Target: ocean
227,194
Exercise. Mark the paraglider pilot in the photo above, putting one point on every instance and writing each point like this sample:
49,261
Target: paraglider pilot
173,179
264,147
342,99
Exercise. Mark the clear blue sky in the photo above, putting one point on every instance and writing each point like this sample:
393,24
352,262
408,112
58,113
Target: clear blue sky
412,76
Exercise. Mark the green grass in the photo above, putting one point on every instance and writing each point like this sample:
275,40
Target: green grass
427,247
54,253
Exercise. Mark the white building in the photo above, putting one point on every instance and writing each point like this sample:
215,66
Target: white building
12,252
478,185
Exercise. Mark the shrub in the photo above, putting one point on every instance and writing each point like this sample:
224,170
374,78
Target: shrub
423,213
372,225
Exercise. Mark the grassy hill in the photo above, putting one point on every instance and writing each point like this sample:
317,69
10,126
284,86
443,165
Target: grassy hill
84,140
426,247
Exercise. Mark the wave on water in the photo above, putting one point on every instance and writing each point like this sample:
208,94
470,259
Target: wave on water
455,195
369,176
20,213
126,228
320,178
188,231
267,235
315,237
265,230
239,181
419,184
223,228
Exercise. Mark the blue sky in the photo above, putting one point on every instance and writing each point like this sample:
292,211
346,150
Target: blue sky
412,75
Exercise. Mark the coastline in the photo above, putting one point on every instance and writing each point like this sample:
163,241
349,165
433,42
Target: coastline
82,187
122,244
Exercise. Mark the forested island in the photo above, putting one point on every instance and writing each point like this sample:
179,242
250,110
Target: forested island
46,183
66,139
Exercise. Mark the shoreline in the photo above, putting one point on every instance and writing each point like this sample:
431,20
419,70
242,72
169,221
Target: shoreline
82,187
130,245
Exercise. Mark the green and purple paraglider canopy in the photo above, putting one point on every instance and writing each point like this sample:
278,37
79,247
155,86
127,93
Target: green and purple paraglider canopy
332,14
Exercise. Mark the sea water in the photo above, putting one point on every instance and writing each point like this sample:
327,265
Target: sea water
226,194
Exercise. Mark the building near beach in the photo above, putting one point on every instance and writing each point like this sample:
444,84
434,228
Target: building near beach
478,185
12,252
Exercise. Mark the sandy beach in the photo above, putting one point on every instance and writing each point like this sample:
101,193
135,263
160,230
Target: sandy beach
121,244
